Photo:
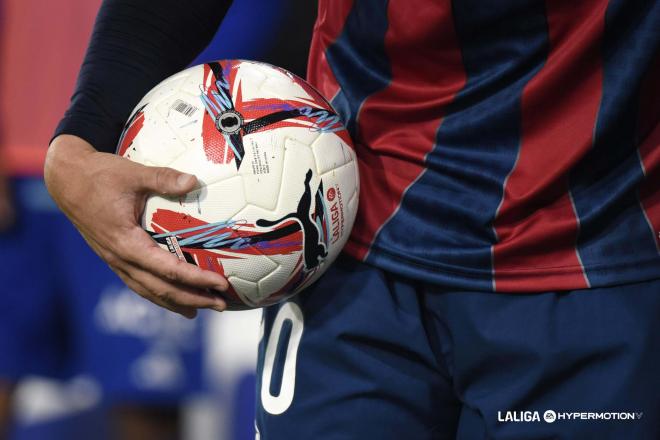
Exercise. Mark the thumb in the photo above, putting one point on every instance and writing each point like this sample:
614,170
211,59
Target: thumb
168,181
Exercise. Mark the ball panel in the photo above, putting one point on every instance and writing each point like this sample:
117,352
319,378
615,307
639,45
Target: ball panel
304,136
286,88
194,81
209,204
286,269
248,82
283,244
195,161
249,267
163,145
330,152
300,170
246,290
262,168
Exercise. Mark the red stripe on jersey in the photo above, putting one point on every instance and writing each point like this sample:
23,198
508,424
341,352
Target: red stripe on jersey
559,109
649,148
329,24
397,126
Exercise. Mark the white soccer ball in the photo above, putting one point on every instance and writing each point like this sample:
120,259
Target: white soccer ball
278,176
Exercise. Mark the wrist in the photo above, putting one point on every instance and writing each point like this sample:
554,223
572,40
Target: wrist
66,150
66,153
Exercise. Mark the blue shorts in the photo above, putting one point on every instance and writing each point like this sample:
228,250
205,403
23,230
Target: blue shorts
363,354
64,312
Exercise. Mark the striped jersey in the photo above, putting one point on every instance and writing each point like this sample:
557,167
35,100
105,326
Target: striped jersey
511,146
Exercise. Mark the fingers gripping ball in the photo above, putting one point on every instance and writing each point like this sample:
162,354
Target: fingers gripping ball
278,178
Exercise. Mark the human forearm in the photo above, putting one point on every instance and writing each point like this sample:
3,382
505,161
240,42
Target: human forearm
135,44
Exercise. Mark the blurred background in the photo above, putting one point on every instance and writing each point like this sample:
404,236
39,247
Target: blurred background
81,356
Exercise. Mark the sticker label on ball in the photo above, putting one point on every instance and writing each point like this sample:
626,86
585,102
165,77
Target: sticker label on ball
184,108
173,247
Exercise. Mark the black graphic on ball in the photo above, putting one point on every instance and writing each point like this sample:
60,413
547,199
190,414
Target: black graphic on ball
314,250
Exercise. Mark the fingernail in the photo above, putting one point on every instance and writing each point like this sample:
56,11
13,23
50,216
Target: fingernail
222,287
184,180
220,304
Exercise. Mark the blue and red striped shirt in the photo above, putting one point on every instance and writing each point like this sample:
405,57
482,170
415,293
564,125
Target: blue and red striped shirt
511,146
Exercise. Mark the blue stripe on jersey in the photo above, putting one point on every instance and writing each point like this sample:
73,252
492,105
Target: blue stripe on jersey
613,230
453,204
360,69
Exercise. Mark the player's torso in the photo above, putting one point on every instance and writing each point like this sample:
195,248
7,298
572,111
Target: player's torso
510,146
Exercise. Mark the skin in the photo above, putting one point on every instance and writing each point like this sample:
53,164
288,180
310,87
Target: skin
104,195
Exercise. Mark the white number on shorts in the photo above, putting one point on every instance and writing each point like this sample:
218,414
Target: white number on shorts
278,404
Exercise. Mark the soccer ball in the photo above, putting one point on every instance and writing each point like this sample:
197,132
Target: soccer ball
278,176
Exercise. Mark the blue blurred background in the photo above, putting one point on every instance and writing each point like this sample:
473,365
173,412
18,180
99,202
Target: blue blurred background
81,356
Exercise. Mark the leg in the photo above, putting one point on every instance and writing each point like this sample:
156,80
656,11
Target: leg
589,351
350,358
